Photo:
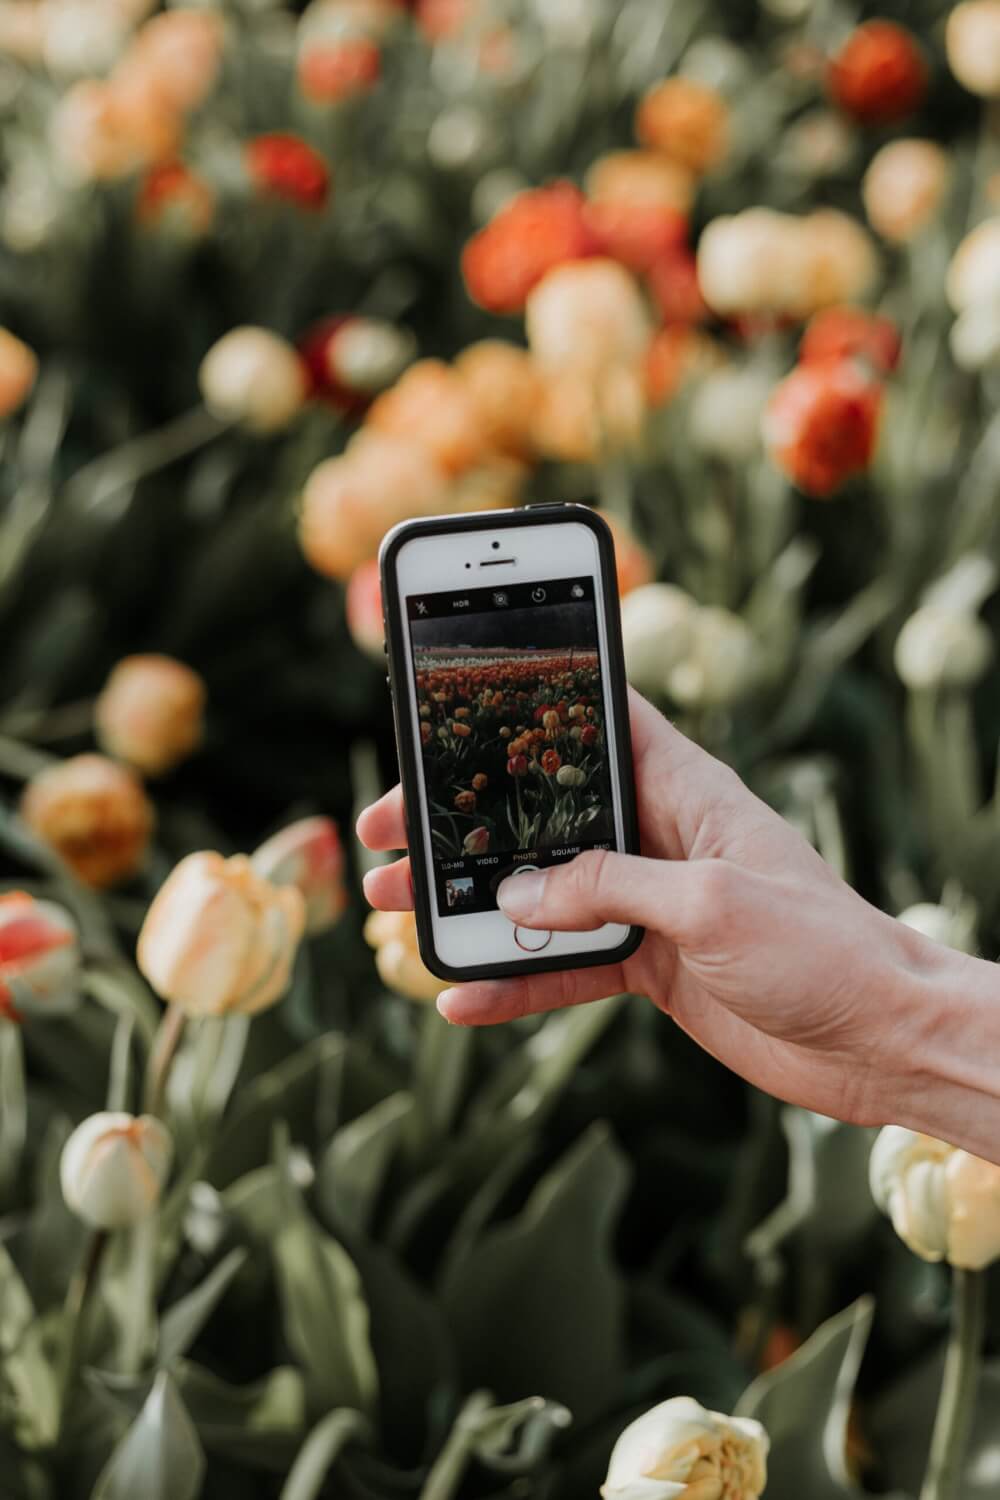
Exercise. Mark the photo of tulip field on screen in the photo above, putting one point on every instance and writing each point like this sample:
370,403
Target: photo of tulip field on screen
275,276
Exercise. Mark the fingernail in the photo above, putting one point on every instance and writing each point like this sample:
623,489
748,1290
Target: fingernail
520,896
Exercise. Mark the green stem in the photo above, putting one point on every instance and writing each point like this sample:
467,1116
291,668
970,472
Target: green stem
104,477
21,762
958,1388
445,1477
161,1058
75,1310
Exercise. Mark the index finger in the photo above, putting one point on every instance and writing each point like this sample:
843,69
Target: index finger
383,825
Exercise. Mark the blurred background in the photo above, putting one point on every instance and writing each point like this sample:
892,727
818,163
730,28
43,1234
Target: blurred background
273,278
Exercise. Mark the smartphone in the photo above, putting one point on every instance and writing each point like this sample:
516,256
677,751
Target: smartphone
508,681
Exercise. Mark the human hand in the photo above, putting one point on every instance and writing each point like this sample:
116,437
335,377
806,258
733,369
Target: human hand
753,945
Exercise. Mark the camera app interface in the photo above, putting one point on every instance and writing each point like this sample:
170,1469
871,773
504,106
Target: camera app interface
512,724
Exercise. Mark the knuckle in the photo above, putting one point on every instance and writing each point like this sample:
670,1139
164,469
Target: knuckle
590,873
714,896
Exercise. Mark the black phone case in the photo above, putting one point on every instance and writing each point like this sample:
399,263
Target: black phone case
536,515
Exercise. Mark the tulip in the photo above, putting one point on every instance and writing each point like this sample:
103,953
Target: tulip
179,54
501,381
940,646
364,610
465,802
219,938
349,502
761,261
727,406
657,621
477,841
460,730
551,761
339,68
105,129
18,373
675,356
173,198
688,121
308,855
944,1203
955,927
585,316
532,233
39,958
851,333
974,274
821,425
22,30
431,405
904,187
94,814
393,935
972,40
581,419
517,765
589,735
149,713
571,776
480,781
880,74
680,1451
283,166
253,377
114,1167
719,664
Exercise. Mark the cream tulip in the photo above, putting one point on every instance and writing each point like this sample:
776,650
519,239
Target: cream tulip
680,1451
720,662
657,622
219,938
904,186
253,377
113,1168
974,274
587,315
941,647
944,1203
972,41
149,712
393,935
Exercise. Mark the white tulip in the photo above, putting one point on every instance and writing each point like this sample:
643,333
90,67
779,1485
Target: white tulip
943,1203
657,621
719,665
254,377
972,40
974,274
726,411
680,1451
955,928
113,1168
939,647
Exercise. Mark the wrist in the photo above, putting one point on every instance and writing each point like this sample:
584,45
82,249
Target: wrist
943,1045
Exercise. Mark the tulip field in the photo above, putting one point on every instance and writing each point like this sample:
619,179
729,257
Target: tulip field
274,277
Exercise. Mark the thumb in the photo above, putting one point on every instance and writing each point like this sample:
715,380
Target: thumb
599,886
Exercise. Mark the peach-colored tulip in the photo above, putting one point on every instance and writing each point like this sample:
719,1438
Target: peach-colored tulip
94,814
177,54
502,381
430,405
103,129
308,855
943,1203
113,1168
393,935
150,713
634,565
972,39
364,610
762,261
644,179
219,938
254,377
904,186
686,120
18,372
350,502
39,957
22,30
580,419
587,315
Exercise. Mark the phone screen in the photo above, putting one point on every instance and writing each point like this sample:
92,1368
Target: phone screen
512,710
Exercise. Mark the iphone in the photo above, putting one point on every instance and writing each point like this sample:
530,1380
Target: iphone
508,683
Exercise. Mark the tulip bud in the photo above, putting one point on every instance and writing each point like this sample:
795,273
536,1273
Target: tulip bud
719,665
502,382
686,120
114,1167
253,377
430,405
179,54
587,315
821,425
476,842
39,958
941,647
973,279
219,938
364,610
570,776
904,186
94,814
943,1203
309,856
149,713
972,40
393,935
954,927
18,372
680,1451
656,627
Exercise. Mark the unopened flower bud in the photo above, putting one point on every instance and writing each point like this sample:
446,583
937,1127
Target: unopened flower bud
680,1451
571,776
253,377
39,958
943,1203
149,713
94,814
904,186
972,40
657,621
973,279
393,935
587,315
719,665
219,938
939,647
308,855
114,1167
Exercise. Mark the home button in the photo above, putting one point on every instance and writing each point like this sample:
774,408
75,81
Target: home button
532,939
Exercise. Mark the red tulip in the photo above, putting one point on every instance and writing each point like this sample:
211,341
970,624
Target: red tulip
821,425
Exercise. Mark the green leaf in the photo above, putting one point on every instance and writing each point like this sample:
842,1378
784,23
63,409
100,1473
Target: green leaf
353,1166
320,1452
13,1108
325,1315
29,1389
902,1421
160,1457
182,1323
805,1405
538,1302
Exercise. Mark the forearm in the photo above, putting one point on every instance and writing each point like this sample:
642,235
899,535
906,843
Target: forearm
947,1023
